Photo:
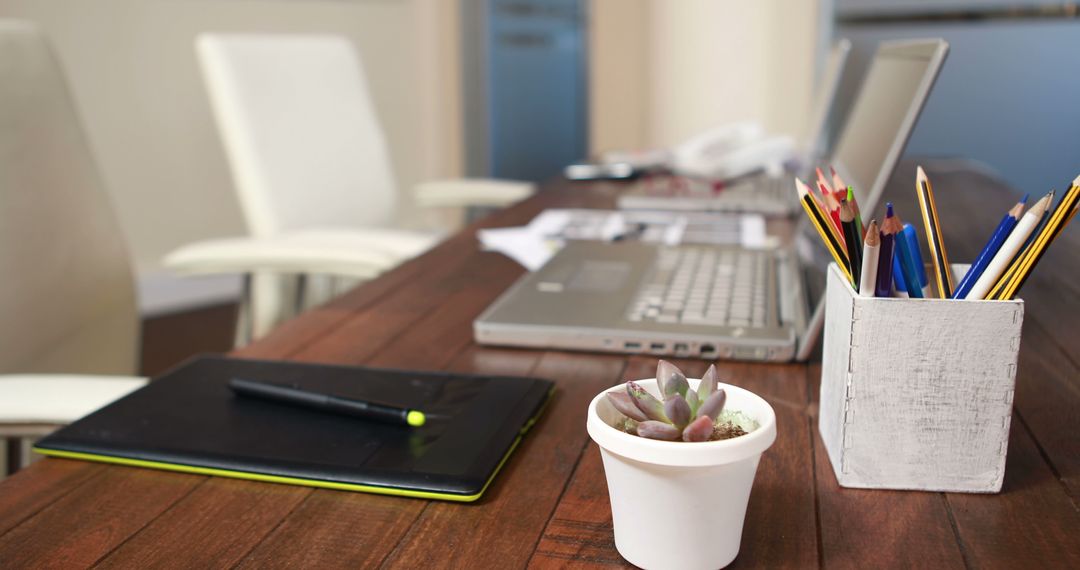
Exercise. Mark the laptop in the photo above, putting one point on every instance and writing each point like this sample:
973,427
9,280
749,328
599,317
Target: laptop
762,193
713,301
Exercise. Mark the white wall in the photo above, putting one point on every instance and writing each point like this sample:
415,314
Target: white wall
1006,95
131,66
699,63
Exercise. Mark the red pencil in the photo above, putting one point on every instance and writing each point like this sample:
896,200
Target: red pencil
822,181
838,182
832,207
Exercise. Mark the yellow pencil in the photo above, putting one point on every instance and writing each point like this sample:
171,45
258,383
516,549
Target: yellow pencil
1009,282
819,223
1014,262
1061,217
942,271
820,208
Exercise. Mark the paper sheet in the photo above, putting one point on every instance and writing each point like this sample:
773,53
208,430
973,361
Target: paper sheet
533,245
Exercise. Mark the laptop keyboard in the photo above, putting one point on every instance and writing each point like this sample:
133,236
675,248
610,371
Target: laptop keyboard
702,286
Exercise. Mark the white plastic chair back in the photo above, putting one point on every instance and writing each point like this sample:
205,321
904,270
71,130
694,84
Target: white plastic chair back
300,131
67,303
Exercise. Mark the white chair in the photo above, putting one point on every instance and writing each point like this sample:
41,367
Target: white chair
68,301
310,165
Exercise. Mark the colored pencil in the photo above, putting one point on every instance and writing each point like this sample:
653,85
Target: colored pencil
824,182
855,209
832,208
932,224
836,180
1022,278
870,254
1004,227
854,244
820,224
835,231
908,264
1062,215
889,229
1010,267
986,284
1041,224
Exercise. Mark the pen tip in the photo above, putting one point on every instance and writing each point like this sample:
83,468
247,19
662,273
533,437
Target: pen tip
888,210
1025,198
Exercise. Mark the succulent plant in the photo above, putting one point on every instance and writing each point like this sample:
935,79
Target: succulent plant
683,414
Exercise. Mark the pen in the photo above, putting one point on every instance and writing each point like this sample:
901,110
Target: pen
911,235
905,243
327,402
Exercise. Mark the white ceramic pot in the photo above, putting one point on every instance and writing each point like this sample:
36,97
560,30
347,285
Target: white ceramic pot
676,504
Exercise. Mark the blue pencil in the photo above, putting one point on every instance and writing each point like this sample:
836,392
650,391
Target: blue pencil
890,228
1004,228
908,257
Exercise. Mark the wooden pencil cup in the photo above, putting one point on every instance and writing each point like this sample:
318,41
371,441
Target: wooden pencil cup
917,393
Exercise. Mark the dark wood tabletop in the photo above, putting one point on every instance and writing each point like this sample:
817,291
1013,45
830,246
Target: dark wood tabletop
549,506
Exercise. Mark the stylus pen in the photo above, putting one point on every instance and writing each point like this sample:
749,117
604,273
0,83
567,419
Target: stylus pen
327,402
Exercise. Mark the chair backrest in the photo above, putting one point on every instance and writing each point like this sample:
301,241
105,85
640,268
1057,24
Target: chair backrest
300,131
67,303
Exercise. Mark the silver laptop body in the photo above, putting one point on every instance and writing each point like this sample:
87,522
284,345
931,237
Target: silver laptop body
761,193
717,301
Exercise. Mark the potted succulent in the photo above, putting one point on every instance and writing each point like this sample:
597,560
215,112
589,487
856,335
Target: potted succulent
680,457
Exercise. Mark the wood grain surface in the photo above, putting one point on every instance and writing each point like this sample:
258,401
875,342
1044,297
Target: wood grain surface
549,506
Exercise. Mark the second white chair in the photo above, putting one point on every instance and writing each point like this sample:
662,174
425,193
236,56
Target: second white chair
310,165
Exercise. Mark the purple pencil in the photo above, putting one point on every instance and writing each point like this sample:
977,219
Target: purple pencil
883,288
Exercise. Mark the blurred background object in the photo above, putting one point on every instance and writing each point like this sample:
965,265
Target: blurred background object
1008,98
517,88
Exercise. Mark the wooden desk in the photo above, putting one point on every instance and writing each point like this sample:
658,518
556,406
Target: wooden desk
549,507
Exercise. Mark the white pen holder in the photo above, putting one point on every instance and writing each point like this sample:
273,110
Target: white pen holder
917,393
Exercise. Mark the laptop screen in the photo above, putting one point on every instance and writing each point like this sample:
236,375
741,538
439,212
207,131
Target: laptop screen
884,114
877,130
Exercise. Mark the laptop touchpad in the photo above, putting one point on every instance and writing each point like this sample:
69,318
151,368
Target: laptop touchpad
601,276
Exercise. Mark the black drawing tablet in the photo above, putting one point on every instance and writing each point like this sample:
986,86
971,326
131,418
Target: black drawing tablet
189,420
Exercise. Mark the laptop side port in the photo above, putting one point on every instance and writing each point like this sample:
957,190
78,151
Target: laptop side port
708,350
635,346
657,347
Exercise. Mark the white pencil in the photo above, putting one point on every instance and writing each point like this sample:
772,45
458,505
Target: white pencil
1008,249
871,252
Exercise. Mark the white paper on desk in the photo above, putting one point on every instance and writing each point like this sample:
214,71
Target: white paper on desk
522,244
533,245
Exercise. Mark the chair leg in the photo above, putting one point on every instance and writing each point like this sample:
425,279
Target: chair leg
300,301
4,445
244,315
26,452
